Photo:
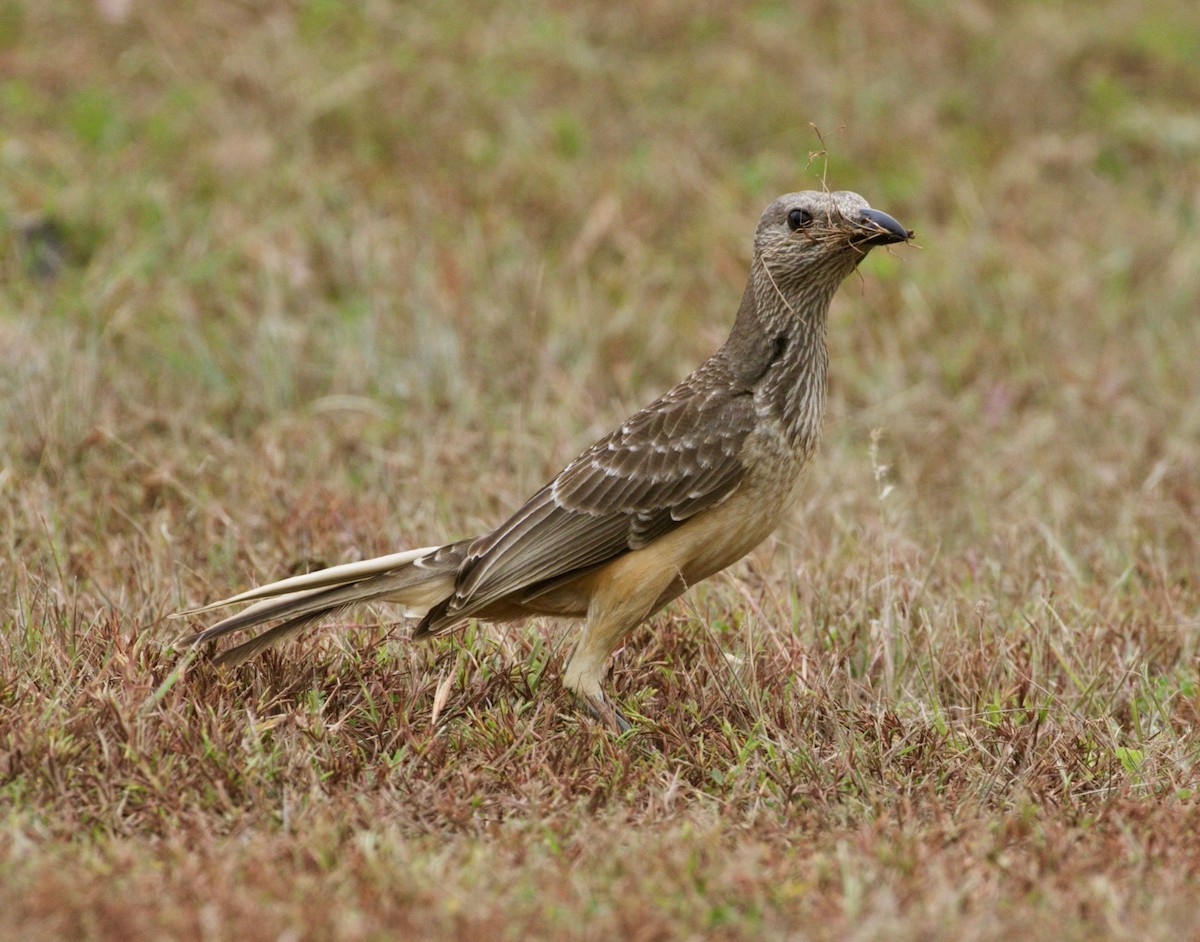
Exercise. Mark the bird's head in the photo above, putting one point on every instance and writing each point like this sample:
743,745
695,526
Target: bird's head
812,240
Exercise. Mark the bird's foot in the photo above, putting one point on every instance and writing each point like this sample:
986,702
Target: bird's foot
607,714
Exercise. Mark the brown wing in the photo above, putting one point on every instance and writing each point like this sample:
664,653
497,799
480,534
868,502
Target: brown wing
677,457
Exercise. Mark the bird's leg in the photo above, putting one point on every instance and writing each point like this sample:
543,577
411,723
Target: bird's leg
584,673
625,594
617,607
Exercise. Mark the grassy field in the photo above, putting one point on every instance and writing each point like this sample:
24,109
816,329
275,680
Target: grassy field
285,284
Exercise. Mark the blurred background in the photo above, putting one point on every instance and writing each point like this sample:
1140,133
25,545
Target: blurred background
291,282
259,256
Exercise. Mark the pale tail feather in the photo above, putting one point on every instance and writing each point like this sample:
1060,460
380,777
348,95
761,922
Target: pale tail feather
305,599
334,575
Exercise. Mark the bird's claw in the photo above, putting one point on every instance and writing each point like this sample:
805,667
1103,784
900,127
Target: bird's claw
607,714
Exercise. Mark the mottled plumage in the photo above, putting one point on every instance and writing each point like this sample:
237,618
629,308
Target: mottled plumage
678,491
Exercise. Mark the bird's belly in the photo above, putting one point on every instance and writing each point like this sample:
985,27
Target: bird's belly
718,538
728,532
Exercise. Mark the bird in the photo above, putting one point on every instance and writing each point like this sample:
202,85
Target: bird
674,494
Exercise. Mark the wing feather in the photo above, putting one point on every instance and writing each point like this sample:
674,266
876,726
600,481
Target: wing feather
676,458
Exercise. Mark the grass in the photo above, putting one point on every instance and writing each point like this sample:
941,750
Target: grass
293,283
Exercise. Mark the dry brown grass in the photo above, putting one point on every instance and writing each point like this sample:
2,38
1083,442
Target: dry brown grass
300,282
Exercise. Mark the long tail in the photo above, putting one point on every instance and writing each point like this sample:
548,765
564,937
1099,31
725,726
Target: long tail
416,578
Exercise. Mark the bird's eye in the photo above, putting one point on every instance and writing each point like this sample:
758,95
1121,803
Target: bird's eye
799,218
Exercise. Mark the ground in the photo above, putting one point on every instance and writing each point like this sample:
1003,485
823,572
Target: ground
292,283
